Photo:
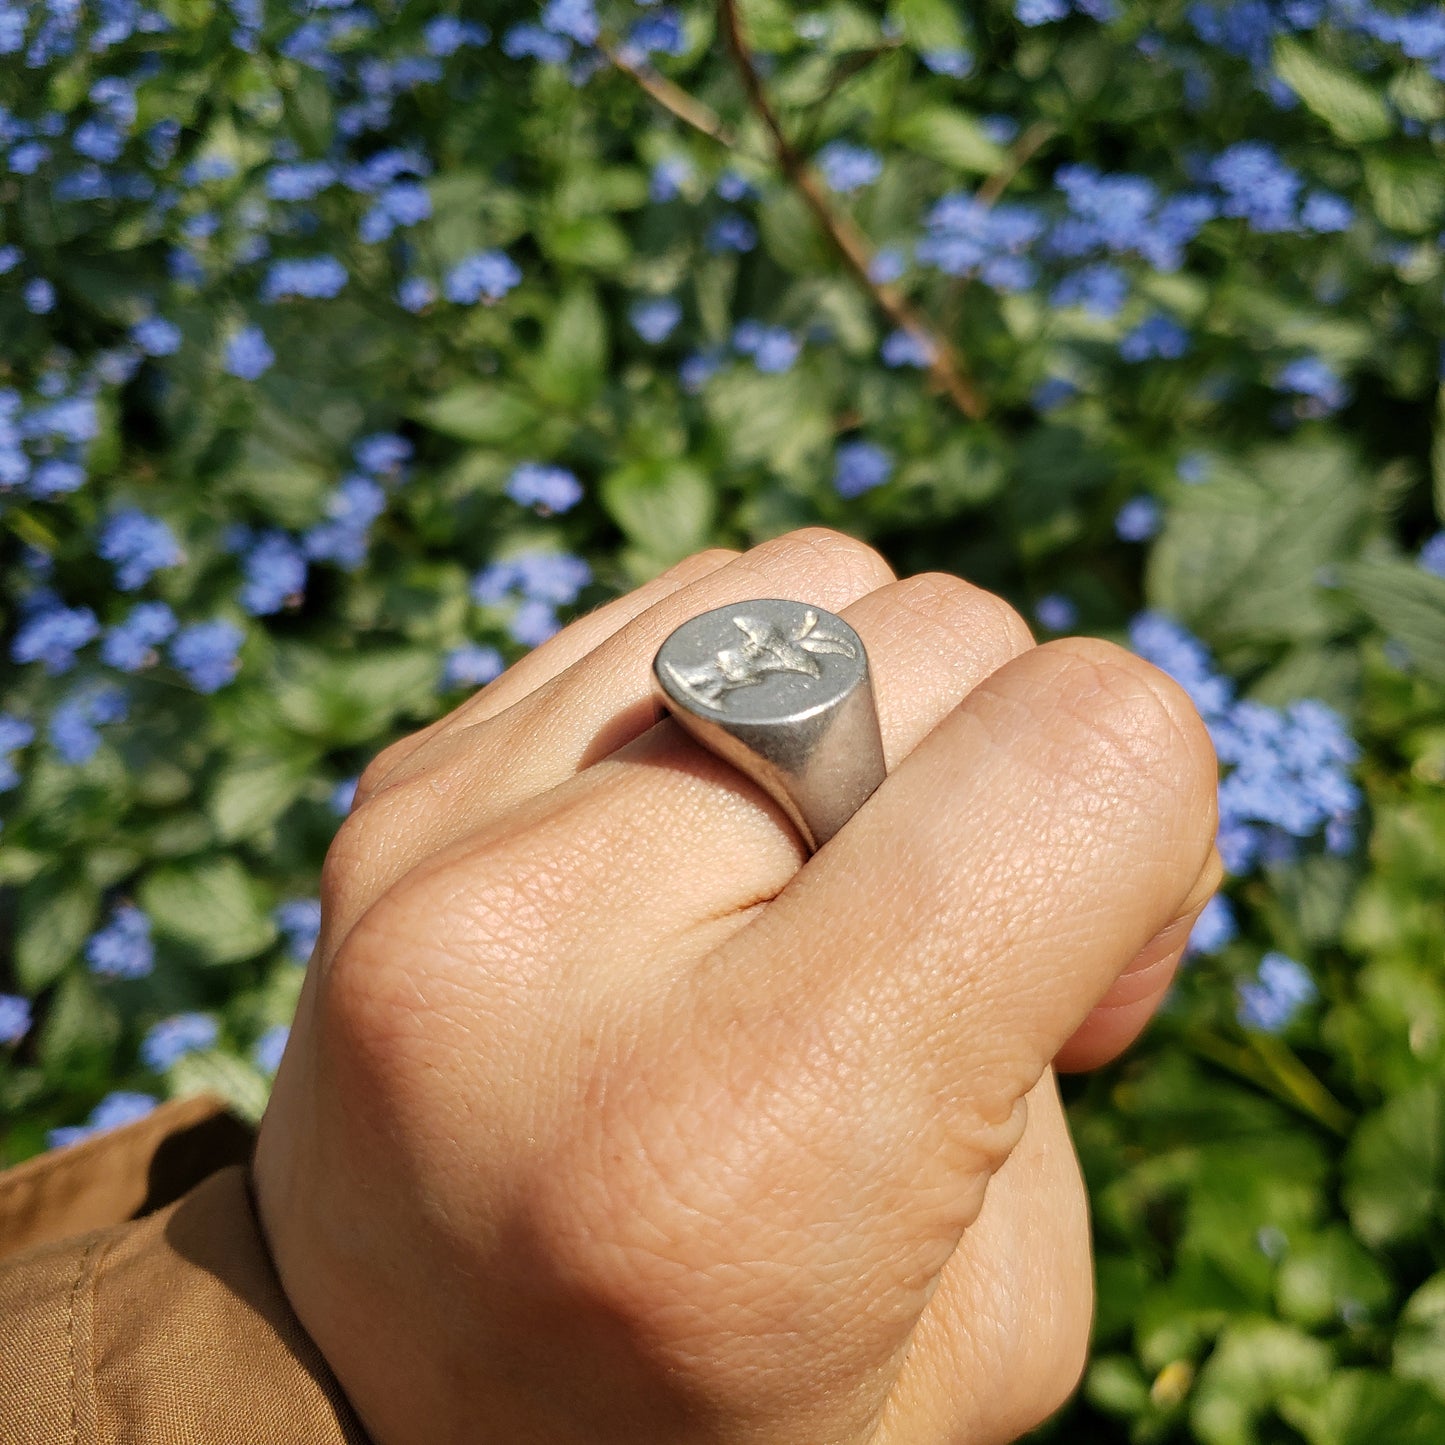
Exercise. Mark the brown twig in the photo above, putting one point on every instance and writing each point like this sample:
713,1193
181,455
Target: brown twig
945,368
687,108
1019,154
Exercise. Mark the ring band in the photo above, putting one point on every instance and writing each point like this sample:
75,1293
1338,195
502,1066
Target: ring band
781,690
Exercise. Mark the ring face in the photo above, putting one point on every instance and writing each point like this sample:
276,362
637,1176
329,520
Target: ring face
761,662
781,691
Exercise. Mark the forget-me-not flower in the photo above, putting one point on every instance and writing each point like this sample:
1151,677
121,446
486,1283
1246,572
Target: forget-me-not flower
859,466
123,947
173,1038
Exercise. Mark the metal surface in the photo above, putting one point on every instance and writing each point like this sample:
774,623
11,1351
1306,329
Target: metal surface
781,691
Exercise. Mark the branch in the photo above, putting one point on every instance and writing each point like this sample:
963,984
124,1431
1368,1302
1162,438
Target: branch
687,108
945,368
1020,153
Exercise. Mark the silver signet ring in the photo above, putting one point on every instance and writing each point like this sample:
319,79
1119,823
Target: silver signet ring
781,691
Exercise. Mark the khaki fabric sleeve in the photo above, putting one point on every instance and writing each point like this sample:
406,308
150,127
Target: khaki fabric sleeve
169,1329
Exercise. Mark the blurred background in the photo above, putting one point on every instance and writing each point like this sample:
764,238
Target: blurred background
347,350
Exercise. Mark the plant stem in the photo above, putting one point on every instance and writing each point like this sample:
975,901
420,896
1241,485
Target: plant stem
673,98
945,368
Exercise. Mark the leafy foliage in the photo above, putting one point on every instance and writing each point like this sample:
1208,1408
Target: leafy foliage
346,349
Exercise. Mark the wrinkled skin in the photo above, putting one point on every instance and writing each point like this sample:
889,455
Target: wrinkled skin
610,1115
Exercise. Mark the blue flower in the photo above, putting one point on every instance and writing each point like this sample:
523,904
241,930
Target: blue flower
1051,393
123,948
903,348
139,545
859,466
130,645
315,277
1279,990
887,266
73,724
1258,186
658,34
206,653
668,178
1192,468
156,336
732,186
416,293
522,41
847,167
403,203
696,370
56,477
1325,213
576,19
10,257
1100,288
1056,612
38,296
14,1018
15,733
28,157
731,232
52,635
472,664
773,349
445,35
173,1038
965,237
1157,335
655,319
957,64
267,1051
1138,519
1315,380
484,276
553,577
115,1110
351,509
275,572
300,920
1040,12
548,488
533,623
1432,555
1214,928
343,795
382,453
248,355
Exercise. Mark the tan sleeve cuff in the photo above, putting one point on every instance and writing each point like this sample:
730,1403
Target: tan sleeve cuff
168,1330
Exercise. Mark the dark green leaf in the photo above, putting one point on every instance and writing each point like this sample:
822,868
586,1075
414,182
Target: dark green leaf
1350,106
1394,1184
57,910
211,907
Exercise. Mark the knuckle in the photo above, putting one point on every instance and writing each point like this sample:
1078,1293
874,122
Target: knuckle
376,772
700,563
1138,712
820,551
949,600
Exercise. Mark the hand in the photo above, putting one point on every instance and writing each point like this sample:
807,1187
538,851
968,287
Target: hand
608,1115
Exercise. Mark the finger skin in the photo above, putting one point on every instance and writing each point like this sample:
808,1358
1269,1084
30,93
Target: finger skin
544,663
466,778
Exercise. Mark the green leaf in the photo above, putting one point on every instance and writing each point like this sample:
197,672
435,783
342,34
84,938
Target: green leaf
1367,1407
211,907
1330,1277
664,508
1239,559
930,25
947,135
772,419
1408,192
1255,1364
1408,605
251,792
56,911
344,700
81,1030
1420,1336
1394,1168
478,411
237,1082
1355,111
572,364
1437,458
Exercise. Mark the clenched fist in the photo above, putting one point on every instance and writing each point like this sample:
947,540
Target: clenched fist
609,1115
